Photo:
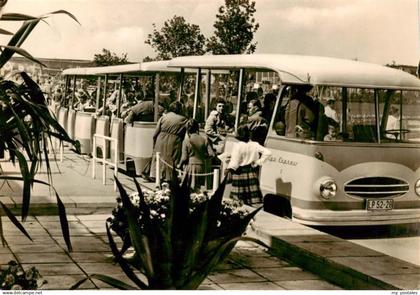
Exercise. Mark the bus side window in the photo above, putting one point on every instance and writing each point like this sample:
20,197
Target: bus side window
279,126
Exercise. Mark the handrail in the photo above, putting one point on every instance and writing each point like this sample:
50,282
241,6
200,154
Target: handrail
215,173
103,160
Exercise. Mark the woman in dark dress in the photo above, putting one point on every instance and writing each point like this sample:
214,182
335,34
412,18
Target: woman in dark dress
168,137
196,155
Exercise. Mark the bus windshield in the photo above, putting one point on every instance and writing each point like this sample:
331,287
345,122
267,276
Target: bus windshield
334,114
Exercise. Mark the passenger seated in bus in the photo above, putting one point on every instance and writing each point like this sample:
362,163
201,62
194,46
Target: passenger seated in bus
330,111
303,111
143,111
393,123
280,128
268,106
216,128
188,104
332,134
84,101
256,123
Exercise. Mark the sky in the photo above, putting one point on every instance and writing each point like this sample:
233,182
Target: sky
378,31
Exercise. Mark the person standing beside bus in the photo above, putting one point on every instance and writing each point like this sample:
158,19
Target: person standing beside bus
196,154
215,127
167,140
243,167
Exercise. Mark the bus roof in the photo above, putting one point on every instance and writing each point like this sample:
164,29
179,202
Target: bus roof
136,68
314,70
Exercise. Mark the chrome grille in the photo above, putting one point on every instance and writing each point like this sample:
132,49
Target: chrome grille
376,187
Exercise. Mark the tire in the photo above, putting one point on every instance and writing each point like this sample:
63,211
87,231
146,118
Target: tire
278,205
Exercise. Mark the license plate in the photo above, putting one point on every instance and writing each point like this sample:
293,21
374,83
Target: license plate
374,205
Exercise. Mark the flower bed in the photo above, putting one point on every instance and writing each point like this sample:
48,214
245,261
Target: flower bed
178,236
232,212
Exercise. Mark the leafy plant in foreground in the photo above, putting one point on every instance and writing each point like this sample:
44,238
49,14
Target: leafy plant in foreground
178,237
26,125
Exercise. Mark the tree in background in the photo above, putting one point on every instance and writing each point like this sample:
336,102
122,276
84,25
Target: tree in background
108,58
176,38
235,27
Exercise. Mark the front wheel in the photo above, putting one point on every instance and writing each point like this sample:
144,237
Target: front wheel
278,205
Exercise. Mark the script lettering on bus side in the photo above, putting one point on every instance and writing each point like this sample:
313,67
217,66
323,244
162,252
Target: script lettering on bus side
283,161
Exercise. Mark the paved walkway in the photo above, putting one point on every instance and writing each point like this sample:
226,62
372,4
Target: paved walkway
89,203
305,259
248,267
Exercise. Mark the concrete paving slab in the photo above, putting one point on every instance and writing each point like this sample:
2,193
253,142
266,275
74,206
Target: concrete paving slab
235,276
32,232
260,262
251,286
287,273
121,277
87,244
212,287
6,257
55,269
382,265
99,230
318,254
75,231
228,264
95,217
98,257
336,249
23,240
54,218
94,223
29,225
65,282
37,248
4,249
303,284
8,201
403,281
101,268
32,258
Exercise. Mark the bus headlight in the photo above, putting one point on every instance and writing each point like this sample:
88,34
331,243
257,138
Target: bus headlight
417,187
328,188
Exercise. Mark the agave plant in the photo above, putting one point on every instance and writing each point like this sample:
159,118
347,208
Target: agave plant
26,125
178,237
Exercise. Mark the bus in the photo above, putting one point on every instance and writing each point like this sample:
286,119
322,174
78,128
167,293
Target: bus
111,91
344,135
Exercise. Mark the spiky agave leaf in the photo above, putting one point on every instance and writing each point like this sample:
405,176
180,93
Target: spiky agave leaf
193,242
213,211
160,244
140,242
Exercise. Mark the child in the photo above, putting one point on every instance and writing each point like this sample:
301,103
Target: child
196,153
243,167
332,134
